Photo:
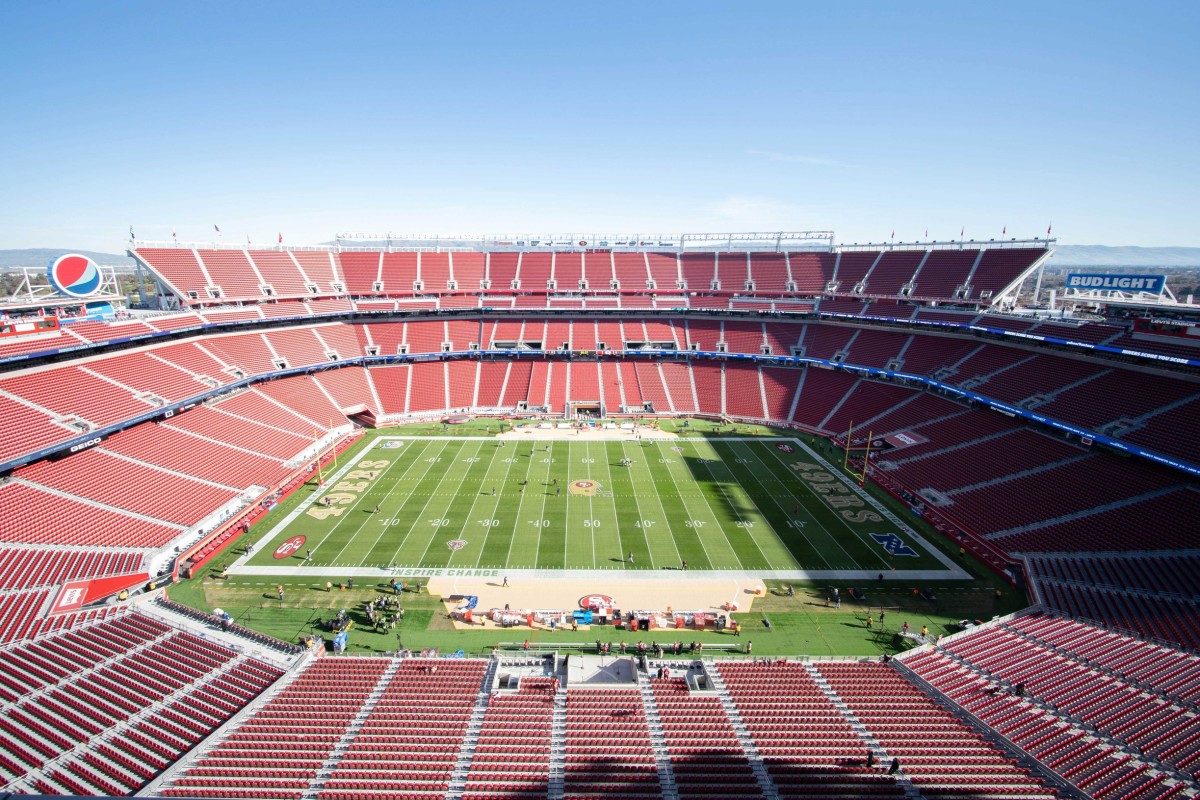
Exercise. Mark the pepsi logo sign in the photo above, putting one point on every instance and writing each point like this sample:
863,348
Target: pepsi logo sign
289,547
74,275
596,602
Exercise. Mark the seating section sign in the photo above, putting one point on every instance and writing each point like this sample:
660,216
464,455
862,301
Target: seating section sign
74,595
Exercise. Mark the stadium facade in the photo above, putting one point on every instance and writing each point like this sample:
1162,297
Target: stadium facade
1059,450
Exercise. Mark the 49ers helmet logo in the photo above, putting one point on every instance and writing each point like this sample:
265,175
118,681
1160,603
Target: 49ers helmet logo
289,547
596,602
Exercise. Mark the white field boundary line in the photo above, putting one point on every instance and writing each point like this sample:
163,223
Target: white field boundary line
938,555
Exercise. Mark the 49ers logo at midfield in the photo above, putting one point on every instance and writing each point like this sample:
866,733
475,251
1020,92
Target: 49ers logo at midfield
587,488
290,546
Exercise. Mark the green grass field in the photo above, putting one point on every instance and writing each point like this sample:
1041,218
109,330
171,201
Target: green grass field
762,505
790,535
801,625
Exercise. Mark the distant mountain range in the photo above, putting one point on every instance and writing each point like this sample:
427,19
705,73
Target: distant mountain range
1099,255
42,256
1067,255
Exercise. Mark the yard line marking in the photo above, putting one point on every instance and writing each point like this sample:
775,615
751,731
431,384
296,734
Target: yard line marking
783,508
460,477
692,517
665,516
354,537
495,507
417,520
720,485
828,532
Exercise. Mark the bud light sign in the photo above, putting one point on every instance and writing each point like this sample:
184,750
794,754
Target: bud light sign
1152,284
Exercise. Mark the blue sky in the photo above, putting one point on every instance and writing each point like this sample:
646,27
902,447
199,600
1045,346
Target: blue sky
313,118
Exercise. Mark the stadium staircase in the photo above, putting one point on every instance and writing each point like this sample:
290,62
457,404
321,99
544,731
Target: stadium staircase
568,397
695,399
978,380
1026,748
73,759
838,405
1107,750
882,757
1015,475
96,504
949,370
374,391
263,423
1135,423
658,740
657,367
869,423
466,751
558,746
179,767
769,790
211,440
762,390
1087,512
796,396
1040,399
974,268
724,397
951,448
327,768
176,473
221,734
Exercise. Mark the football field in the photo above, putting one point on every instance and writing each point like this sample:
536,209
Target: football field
426,505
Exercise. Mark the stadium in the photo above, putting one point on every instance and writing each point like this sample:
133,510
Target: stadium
683,515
